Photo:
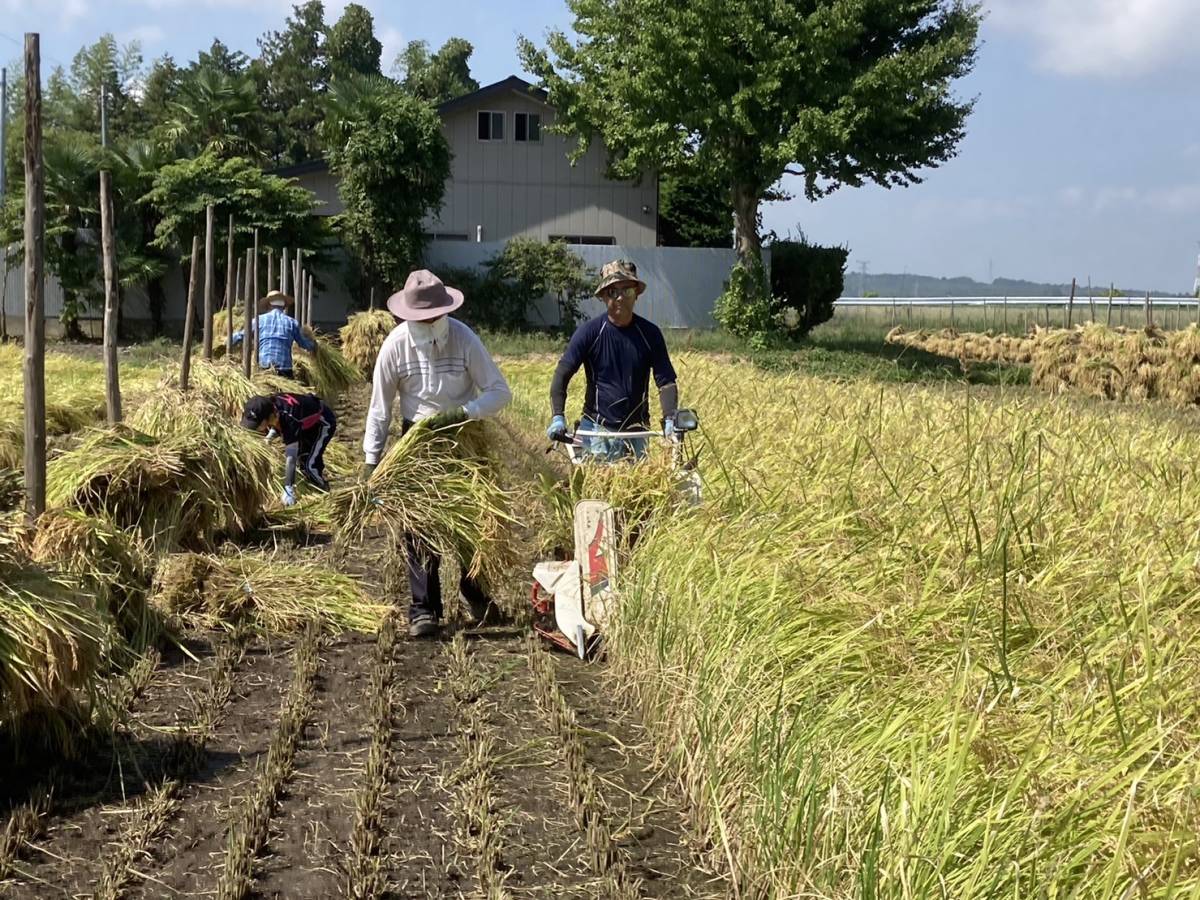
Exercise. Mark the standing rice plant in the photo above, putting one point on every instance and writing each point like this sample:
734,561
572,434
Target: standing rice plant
926,641
363,336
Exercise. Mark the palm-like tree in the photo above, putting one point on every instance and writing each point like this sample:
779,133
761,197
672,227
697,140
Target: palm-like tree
215,111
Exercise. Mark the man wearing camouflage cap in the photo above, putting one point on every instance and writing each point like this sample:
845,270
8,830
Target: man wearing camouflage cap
618,351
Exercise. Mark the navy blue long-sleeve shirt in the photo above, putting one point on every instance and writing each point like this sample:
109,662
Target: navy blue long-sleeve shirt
617,363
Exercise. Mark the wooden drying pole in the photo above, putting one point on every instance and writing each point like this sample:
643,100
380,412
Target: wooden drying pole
298,281
185,366
250,351
284,282
308,297
1071,305
112,383
3,187
35,308
270,269
209,277
1091,301
1149,311
238,288
230,287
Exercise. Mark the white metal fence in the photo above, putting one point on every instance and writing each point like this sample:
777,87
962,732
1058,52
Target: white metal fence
1008,313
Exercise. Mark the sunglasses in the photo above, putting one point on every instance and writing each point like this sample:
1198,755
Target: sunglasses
629,293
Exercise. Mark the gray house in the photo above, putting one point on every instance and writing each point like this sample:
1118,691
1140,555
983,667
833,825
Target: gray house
511,177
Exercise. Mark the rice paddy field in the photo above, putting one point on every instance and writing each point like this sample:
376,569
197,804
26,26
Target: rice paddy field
929,639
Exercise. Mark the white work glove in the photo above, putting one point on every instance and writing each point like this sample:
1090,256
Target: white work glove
271,432
289,496
669,430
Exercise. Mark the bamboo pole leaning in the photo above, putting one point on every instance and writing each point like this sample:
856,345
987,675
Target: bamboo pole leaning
112,383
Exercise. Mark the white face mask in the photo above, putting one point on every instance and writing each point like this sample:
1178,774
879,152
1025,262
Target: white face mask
425,333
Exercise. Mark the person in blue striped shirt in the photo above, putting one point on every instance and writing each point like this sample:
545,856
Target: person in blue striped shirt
277,331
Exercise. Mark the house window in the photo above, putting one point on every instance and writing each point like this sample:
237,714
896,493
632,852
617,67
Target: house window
583,239
527,127
443,236
491,126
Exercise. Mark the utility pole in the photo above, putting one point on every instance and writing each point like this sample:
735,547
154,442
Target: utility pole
862,276
112,383
35,296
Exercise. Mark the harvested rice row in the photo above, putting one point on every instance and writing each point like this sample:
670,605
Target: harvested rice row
481,828
159,805
248,828
365,879
116,702
25,824
281,595
591,813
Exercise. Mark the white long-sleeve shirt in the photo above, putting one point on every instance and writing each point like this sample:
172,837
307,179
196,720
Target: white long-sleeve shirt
429,379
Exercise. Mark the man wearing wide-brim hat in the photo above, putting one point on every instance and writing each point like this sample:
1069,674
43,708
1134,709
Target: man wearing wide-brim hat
277,331
618,351
436,368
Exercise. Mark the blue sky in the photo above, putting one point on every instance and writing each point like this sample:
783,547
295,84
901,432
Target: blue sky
1082,158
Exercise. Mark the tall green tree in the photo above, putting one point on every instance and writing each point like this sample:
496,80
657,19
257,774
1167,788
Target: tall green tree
292,74
219,57
352,46
278,207
439,76
214,111
694,210
838,92
388,150
160,88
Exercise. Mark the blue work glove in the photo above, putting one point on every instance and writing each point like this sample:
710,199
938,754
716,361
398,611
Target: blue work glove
669,429
558,427
289,496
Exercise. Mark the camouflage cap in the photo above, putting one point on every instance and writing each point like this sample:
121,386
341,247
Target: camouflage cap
619,271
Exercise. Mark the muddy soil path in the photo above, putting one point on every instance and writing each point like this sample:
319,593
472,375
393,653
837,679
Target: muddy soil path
477,799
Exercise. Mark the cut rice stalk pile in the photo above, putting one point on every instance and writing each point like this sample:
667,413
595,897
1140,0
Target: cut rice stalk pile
195,477
278,594
1110,363
107,562
52,637
12,489
328,372
441,484
363,336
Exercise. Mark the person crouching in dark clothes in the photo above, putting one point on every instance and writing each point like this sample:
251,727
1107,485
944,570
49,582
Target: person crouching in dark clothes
306,424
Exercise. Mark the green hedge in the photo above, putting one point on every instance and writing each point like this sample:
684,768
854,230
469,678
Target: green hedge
807,278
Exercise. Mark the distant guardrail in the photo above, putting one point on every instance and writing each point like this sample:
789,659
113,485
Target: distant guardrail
1013,301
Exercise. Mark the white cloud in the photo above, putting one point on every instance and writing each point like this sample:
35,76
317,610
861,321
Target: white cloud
1177,199
146,35
393,42
1103,37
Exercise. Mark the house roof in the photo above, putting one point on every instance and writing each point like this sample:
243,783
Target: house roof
511,84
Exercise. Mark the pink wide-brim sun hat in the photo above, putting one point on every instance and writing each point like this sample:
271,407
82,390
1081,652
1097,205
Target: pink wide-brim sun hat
424,297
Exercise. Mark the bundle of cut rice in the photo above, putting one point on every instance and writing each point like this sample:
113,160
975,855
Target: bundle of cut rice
53,639
278,594
107,562
363,336
442,484
328,372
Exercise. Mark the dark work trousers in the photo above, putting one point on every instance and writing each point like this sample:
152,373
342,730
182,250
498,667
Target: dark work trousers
312,449
424,581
